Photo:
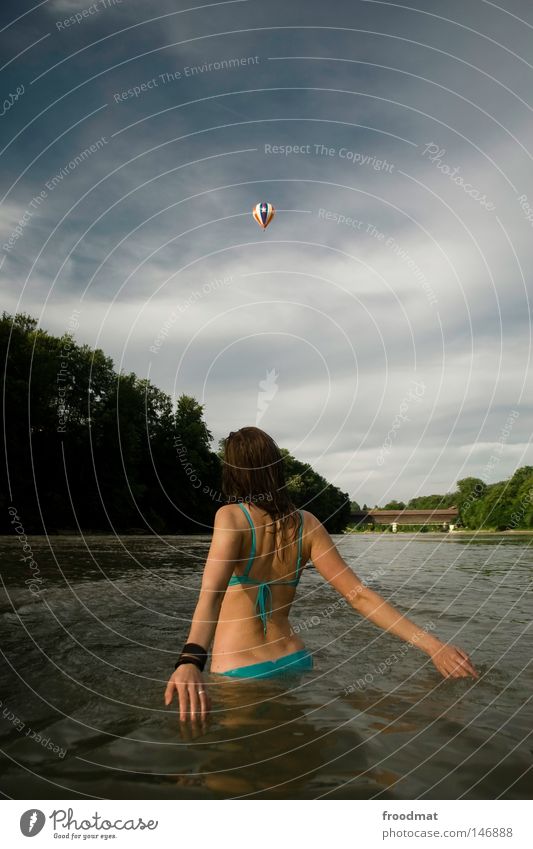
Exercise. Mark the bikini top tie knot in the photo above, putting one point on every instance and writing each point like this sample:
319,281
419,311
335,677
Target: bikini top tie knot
263,602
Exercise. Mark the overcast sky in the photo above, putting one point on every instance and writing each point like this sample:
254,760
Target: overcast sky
380,327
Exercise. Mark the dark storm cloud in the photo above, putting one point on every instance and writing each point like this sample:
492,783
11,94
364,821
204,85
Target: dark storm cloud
400,250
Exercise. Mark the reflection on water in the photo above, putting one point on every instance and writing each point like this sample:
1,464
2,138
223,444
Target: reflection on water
85,663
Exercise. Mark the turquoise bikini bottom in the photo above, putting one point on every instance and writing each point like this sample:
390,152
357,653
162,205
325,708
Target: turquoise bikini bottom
298,661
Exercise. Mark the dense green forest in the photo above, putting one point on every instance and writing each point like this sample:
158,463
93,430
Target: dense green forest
87,448
505,505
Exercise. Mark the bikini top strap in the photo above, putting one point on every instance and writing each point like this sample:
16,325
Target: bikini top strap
252,550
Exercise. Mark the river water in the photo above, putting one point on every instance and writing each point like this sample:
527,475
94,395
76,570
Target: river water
86,655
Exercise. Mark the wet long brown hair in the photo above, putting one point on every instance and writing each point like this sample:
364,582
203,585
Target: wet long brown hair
253,471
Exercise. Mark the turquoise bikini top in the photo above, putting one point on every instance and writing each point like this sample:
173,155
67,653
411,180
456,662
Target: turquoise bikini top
264,593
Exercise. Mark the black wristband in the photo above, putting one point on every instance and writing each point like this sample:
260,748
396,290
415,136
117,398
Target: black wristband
193,653
193,660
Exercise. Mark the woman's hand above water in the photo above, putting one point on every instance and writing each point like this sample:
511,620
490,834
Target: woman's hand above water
188,685
452,662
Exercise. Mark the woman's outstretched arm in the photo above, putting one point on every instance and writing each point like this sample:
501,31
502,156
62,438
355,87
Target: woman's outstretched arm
187,681
451,661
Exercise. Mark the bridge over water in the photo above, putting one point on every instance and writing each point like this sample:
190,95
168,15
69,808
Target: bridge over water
446,517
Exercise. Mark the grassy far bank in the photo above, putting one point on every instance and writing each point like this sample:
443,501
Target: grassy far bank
90,449
468,532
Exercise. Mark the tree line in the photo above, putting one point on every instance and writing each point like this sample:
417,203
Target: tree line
500,506
87,448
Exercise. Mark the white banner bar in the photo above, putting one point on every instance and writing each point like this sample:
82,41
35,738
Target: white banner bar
264,824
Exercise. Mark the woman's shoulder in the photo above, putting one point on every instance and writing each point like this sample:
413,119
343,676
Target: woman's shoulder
230,515
310,521
310,517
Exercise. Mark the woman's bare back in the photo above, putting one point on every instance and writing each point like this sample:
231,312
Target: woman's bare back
240,638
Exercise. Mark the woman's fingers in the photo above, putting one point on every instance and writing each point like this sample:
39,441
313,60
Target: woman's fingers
459,672
169,692
471,669
459,667
453,662
194,701
182,697
467,663
463,664
205,702
462,653
199,700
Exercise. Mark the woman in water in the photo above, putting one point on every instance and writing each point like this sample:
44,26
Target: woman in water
260,545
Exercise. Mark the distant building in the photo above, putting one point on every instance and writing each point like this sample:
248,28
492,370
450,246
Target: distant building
446,517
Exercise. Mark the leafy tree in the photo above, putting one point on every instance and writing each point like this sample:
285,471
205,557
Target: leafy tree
310,490
89,448
432,502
